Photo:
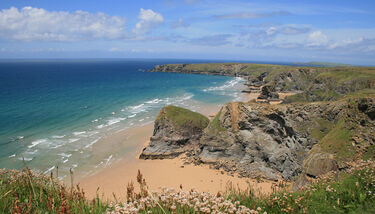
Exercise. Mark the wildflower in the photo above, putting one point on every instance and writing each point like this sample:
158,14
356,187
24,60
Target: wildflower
173,207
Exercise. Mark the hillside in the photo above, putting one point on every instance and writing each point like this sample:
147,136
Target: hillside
310,83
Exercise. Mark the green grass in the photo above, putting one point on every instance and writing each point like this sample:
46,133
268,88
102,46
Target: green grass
183,117
27,192
343,74
338,141
370,153
320,128
215,125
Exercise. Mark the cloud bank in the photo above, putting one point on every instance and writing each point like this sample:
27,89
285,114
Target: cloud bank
35,24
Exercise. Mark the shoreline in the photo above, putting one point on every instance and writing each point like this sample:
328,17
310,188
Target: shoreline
111,181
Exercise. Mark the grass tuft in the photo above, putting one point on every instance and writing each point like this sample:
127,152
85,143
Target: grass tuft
28,192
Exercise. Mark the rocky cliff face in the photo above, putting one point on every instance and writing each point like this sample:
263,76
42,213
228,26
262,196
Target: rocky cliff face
259,140
283,141
329,122
273,141
176,130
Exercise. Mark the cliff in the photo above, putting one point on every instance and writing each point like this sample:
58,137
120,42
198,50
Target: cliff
275,141
310,83
176,130
328,123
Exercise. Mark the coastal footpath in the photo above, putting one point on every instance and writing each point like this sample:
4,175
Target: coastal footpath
328,122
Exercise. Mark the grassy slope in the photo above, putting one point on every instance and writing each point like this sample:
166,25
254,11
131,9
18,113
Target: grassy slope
183,117
215,126
336,138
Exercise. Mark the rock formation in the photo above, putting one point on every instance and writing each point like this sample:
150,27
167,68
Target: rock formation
176,130
269,93
270,141
329,122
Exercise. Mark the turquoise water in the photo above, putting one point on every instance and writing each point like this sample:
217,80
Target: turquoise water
51,111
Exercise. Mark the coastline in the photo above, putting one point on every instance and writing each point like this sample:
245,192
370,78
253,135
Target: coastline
112,180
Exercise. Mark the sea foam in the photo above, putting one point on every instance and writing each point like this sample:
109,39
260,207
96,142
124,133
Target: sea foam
227,85
37,142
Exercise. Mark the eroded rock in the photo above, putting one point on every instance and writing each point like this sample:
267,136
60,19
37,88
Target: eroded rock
176,130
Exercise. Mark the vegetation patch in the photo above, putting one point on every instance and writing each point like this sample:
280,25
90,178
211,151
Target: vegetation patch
370,153
344,74
338,141
28,192
183,117
320,128
215,125
351,191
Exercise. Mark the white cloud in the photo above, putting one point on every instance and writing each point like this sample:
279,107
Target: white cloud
316,39
270,31
30,24
148,19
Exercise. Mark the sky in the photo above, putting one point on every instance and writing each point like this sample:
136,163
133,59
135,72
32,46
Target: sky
253,30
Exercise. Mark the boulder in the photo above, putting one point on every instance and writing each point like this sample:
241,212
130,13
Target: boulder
319,163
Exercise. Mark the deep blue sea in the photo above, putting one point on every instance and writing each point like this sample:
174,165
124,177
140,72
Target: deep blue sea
53,110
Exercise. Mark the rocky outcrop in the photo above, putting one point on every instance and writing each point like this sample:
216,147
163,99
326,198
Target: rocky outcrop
367,106
269,141
258,140
319,163
275,142
176,131
329,122
269,93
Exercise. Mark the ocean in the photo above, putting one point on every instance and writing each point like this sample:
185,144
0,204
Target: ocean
52,112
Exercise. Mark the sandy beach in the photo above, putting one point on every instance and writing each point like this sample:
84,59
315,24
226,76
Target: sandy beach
170,173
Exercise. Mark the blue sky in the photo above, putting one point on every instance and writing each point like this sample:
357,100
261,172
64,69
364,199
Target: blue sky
254,30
